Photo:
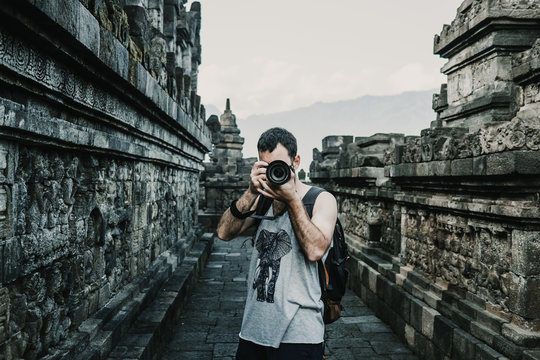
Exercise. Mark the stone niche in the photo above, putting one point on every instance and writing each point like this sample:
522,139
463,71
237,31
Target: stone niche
226,175
446,242
102,142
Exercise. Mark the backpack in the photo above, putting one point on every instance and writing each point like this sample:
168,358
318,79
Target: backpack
332,273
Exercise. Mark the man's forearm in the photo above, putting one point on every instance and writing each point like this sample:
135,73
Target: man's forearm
309,236
229,226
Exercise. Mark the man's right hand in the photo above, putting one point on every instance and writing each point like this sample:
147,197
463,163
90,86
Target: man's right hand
257,177
230,226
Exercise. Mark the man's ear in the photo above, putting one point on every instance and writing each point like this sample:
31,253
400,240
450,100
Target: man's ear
296,162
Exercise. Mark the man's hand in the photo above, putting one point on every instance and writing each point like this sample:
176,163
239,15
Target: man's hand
257,177
285,193
230,226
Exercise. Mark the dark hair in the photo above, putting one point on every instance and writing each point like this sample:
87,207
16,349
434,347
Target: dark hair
271,137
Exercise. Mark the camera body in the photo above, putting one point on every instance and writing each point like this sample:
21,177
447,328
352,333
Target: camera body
278,172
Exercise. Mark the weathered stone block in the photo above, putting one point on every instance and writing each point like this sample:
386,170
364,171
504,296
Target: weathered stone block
484,352
462,320
443,334
441,168
520,336
372,279
479,165
405,305
424,346
483,333
423,169
4,314
402,170
64,13
88,29
525,252
527,162
417,308
523,295
3,203
461,167
500,164
113,53
409,334
507,347
463,345
12,260
428,321
3,159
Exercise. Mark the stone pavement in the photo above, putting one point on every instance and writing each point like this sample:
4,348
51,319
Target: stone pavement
211,320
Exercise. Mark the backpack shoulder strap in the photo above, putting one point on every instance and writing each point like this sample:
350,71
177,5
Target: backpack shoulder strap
310,197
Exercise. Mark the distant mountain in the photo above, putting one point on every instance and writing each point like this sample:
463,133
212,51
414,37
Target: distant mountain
406,113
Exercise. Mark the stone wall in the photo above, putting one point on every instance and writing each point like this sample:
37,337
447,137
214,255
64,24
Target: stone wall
446,231
102,141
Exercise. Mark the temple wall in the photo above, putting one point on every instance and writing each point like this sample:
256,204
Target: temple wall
445,232
102,142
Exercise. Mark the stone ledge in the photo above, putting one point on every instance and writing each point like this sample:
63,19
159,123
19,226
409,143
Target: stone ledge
473,19
518,162
357,172
109,60
49,130
138,313
518,209
440,326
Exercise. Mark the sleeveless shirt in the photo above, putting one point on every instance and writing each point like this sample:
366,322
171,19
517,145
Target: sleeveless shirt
283,303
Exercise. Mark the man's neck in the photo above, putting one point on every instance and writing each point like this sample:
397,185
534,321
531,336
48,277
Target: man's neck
301,188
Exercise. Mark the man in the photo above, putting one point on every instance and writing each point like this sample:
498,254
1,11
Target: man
283,312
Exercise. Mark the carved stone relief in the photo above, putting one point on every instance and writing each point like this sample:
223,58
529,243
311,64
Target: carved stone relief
461,252
87,226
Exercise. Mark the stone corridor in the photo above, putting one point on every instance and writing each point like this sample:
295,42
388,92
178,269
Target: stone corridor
209,325
107,205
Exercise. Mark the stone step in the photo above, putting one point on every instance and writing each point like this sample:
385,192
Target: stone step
98,335
151,330
451,323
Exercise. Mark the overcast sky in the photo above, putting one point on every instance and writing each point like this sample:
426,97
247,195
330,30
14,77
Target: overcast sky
272,56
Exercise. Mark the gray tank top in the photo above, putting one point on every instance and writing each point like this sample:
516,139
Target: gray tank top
283,303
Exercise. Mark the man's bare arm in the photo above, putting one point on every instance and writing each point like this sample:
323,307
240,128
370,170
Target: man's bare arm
230,226
314,235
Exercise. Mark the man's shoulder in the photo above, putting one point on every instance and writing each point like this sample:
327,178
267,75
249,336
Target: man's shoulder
318,190
317,196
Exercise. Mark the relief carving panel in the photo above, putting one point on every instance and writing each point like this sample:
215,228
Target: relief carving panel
80,237
460,251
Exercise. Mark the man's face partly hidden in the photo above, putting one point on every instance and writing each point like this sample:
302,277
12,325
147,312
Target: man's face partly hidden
280,153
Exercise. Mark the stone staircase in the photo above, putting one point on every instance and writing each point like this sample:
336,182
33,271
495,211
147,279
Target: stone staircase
135,323
431,318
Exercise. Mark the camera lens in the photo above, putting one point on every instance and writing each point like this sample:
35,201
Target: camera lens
278,172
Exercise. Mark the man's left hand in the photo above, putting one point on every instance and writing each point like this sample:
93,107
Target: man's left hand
286,192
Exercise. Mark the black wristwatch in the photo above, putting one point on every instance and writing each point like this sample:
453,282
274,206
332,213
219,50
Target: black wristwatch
237,214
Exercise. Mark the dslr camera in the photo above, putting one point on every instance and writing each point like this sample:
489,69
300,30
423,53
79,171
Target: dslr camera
278,172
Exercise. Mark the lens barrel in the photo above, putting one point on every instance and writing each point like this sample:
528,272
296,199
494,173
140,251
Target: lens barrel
278,172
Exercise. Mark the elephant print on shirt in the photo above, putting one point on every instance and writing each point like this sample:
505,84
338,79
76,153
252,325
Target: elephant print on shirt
271,247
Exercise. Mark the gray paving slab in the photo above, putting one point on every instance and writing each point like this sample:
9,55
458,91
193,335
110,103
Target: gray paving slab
211,320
